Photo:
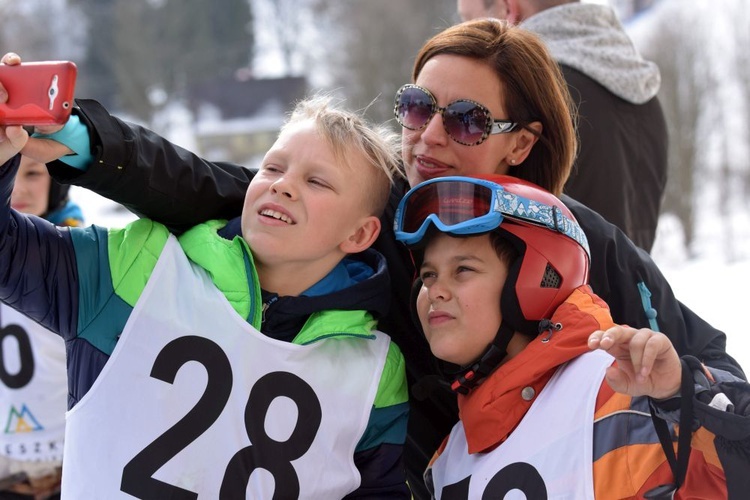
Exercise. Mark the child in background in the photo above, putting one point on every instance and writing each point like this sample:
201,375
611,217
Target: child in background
36,193
33,381
503,301
174,390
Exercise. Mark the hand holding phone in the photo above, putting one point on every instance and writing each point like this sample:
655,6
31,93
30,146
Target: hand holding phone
39,93
13,139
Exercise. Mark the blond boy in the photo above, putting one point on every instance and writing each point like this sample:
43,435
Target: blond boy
174,390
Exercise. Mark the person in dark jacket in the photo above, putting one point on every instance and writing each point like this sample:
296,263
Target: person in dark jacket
621,168
153,177
33,385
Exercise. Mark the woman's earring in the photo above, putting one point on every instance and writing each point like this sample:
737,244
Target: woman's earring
512,161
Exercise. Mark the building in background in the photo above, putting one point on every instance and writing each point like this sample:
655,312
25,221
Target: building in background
238,119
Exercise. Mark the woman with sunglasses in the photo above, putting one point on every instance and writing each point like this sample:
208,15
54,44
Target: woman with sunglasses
471,82
502,299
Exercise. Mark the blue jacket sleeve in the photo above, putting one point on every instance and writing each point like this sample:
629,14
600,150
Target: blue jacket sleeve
38,274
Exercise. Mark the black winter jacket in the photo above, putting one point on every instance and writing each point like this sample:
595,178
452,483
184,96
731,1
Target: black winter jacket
621,168
155,178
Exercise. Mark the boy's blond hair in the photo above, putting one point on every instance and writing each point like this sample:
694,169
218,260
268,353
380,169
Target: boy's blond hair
349,134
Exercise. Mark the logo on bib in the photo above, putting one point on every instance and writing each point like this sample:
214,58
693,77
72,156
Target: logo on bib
22,421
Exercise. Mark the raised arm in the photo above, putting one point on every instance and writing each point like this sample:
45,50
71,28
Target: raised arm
38,274
151,176
140,169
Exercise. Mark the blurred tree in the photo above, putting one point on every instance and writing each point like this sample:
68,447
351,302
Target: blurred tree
686,96
143,52
40,30
133,65
741,17
202,40
372,53
100,82
361,50
734,140
288,23
705,92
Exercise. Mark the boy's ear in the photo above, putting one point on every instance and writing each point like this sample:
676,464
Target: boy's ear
363,237
525,140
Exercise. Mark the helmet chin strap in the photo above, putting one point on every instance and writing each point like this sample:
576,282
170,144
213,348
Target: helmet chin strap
470,376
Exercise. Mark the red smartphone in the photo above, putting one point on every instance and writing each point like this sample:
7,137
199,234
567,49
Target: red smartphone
39,93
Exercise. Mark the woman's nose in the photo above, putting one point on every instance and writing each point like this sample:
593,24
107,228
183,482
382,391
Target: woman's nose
434,132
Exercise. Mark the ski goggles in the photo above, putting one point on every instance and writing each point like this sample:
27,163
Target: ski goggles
465,206
466,122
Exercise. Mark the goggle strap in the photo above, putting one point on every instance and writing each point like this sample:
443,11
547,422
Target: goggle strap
541,214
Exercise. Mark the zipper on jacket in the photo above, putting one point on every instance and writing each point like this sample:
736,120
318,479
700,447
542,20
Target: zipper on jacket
266,305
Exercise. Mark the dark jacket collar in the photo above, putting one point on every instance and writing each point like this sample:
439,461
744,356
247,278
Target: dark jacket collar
284,316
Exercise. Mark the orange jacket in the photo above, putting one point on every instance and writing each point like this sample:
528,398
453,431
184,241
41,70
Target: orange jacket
628,459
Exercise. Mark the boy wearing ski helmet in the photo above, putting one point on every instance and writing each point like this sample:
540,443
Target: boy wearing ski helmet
504,303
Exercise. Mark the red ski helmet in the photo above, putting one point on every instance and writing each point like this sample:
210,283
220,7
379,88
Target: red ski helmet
553,255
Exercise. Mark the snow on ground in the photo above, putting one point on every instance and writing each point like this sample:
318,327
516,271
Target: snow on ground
716,292
100,211
712,283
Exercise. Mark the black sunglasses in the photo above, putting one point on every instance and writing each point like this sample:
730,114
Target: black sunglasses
466,122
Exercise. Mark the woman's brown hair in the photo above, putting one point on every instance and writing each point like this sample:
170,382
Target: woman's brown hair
534,89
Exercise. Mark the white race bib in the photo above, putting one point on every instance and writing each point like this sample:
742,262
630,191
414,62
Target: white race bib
549,454
33,389
194,400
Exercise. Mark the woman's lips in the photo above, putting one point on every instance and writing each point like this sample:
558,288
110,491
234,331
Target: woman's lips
429,167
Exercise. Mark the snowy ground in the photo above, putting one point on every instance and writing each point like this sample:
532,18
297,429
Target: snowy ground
714,290
707,284
712,284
